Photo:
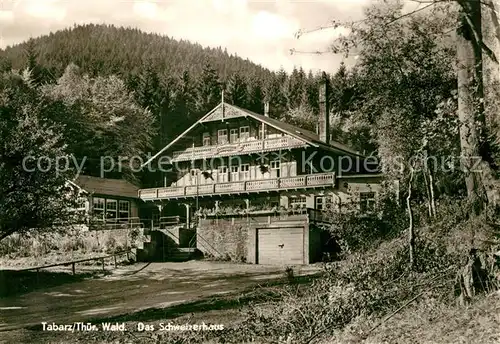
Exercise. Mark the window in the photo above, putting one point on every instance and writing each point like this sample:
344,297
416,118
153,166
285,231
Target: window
298,202
233,135
111,208
194,176
98,205
367,201
244,133
206,139
81,203
222,174
275,169
124,209
245,172
323,202
319,203
234,173
221,136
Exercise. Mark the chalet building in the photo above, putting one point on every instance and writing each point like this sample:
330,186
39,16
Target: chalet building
256,188
108,203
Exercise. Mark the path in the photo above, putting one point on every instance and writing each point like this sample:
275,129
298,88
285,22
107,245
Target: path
131,289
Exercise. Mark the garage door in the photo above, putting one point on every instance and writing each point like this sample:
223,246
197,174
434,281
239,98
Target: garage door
280,246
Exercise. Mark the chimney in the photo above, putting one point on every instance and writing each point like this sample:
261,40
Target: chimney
222,104
324,109
266,109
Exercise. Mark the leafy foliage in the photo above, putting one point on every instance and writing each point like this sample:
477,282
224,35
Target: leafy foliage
29,197
357,231
102,118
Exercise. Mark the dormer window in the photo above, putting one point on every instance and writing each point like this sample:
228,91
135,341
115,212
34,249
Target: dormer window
244,133
206,139
221,136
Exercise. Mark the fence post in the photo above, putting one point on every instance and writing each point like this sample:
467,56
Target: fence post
128,259
103,269
115,260
73,268
126,238
37,277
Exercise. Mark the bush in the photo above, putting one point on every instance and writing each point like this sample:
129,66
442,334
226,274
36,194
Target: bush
355,231
64,244
110,245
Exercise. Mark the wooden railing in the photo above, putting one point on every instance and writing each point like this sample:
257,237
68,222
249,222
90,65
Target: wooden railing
121,223
236,148
312,180
74,262
166,221
316,215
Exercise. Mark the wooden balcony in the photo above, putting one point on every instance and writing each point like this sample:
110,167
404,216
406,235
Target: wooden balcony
229,149
240,187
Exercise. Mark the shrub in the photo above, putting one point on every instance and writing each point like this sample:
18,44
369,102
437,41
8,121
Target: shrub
356,231
110,245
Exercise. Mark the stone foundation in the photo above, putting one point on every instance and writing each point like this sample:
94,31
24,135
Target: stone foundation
223,238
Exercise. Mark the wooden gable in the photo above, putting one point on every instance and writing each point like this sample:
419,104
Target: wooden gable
223,112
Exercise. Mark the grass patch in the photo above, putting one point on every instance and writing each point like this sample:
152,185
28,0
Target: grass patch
43,248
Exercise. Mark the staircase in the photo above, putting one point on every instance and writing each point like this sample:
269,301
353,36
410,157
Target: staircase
183,254
164,245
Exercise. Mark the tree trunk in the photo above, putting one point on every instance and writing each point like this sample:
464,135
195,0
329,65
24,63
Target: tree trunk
428,191
411,235
470,95
431,187
491,79
491,67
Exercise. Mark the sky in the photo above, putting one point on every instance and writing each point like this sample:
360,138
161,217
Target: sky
262,31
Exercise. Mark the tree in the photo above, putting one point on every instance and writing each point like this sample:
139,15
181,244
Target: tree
482,183
208,89
148,92
236,89
274,93
255,95
31,196
39,74
294,89
302,117
102,120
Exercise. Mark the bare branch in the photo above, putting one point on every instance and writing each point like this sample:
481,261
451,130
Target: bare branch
317,52
410,13
335,25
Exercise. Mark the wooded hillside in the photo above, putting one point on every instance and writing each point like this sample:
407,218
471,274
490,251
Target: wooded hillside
177,81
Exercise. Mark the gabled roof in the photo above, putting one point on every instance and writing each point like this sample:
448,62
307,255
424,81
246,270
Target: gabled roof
303,134
226,111
107,187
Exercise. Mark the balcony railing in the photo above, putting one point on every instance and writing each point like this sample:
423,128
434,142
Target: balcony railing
261,185
236,148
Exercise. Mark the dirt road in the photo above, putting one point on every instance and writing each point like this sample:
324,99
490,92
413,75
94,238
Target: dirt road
134,288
